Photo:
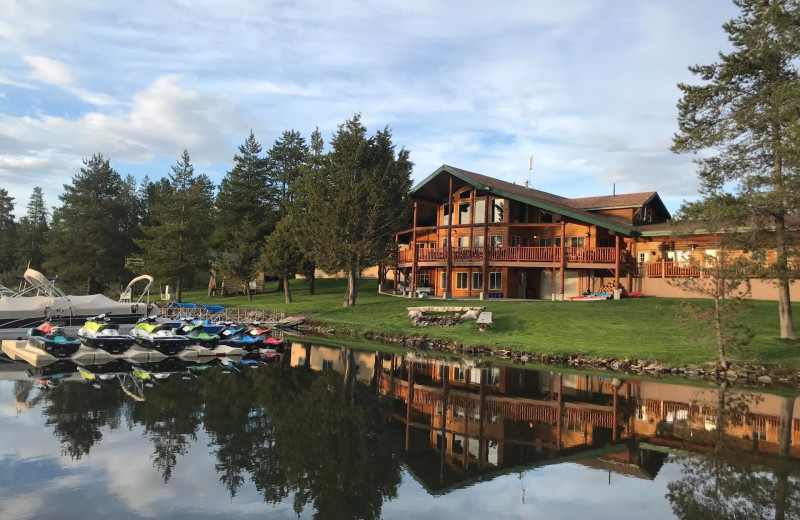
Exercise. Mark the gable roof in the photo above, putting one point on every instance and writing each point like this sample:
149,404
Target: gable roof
542,199
628,200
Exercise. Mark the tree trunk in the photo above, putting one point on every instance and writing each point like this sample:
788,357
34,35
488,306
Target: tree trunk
280,284
350,295
785,426
719,326
178,291
783,487
311,279
782,268
353,280
247,291
286,292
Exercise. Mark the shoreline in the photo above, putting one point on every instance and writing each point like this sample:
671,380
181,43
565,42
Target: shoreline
738,372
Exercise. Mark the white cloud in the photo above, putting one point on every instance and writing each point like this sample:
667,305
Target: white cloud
57,73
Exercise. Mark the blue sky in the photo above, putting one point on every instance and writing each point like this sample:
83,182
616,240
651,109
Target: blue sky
586,87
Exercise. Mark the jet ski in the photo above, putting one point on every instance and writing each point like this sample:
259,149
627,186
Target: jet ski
150,333
104,373
50,337
240,337
102,333
266,337
195,331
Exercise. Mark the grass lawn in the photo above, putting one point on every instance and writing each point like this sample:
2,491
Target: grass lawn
634,328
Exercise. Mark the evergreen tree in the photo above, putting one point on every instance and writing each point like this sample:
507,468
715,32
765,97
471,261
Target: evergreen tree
176,243
32,229
246,198
745,112
285,159
8,232
90,238
356,201
282,256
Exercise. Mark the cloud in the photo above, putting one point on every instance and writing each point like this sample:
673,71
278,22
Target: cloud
56,73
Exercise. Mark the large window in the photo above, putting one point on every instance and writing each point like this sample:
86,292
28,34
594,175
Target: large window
545,217
477,241
575,241
461,280
463,241
515,241
477,281
606,242
446,214
480,211
549,241
445,242
498,210
459,374
424,280
443,280
495,281
463,213
496,240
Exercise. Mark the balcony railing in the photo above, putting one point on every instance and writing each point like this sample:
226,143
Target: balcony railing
585,255
669,269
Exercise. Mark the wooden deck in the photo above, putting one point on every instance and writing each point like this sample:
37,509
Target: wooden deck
605,256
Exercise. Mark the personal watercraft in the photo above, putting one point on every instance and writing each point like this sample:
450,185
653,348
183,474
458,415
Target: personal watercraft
102,333
50,337
159,336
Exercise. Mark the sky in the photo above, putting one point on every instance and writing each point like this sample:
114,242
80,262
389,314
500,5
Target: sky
587,87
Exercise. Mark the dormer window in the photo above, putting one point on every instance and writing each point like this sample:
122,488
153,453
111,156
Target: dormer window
644,214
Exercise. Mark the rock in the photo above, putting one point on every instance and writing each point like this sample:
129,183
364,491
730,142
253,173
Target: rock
765,379
615,365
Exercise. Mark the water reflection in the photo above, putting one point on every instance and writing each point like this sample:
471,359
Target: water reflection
334,430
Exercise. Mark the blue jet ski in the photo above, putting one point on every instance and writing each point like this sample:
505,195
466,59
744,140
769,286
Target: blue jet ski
50,337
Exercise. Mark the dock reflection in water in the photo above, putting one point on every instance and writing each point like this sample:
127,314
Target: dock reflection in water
326,432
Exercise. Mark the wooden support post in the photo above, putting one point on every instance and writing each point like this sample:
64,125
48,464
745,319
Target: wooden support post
409,401
616,261
391,376
615,428
397,271
414,254
445,392
449,276
563,254
663,265
486,245
481,412
560,411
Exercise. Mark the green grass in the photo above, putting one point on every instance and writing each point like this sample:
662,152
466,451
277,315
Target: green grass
634,329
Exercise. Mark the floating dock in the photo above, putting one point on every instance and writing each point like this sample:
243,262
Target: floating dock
21,350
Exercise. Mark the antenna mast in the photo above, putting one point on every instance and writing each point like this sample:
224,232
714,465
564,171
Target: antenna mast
530,167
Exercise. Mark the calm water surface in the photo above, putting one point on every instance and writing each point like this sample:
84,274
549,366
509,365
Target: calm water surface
340,433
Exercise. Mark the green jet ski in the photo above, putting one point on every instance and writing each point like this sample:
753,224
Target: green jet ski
149,333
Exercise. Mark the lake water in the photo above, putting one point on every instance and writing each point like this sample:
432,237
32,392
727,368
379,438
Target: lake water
334,433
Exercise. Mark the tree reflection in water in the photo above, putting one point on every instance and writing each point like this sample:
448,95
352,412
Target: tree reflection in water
732,480
78,411
171,414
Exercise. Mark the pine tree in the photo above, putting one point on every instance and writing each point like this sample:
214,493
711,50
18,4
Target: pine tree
90,237
8,232
246,198
745,112
285,159
32,229
282,256
176,244
358,200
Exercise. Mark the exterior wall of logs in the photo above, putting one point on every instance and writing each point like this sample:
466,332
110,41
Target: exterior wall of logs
500,248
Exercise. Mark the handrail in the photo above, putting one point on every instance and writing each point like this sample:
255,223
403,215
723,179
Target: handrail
550,254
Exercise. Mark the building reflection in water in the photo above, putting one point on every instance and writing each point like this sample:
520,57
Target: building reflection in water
465,420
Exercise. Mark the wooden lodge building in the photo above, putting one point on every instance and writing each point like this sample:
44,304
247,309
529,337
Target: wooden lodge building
479,237
458,421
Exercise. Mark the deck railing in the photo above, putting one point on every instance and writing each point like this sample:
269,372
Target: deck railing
585,255
669,269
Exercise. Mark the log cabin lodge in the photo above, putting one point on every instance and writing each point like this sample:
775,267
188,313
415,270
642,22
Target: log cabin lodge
459,421
474,236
